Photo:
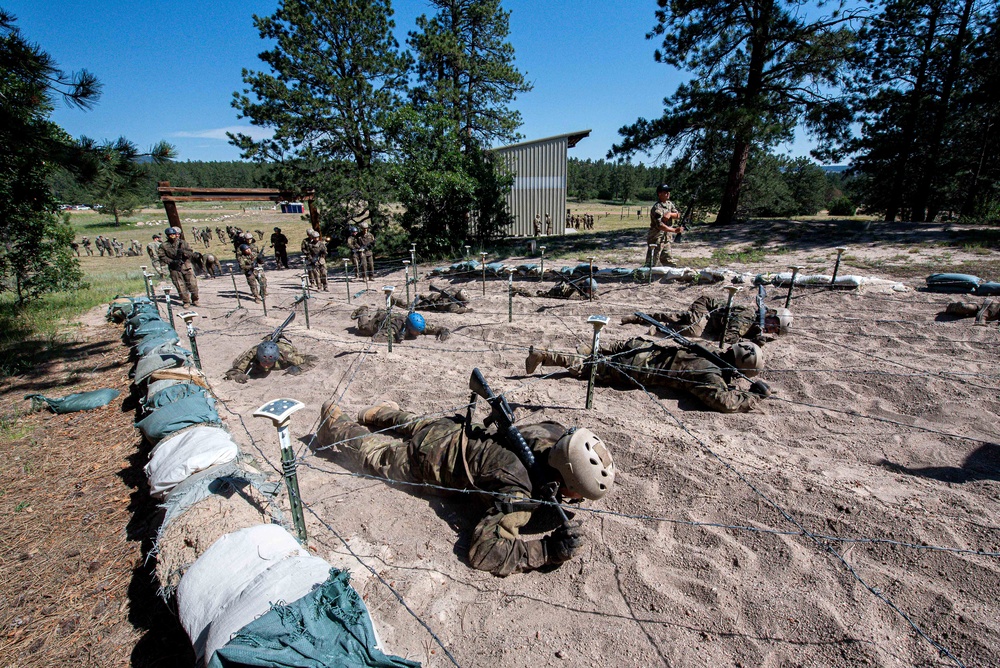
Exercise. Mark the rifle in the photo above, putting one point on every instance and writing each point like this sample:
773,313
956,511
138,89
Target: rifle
502,415
728,370
448,295
573,283
276,334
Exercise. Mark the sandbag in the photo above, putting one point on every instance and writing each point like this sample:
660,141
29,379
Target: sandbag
176,392
988,289
157,385
148,343
147,328
180,456
141,317
178,415
187,374
225,570
284,582
330,626
79,401
161,357
953,283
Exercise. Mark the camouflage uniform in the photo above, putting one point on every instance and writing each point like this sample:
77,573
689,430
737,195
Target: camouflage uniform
989,310
706,317
560,291
86,245
176,255
315,254
657,237
653,364
436,301
536,225
248,263
367,244
280,243
433,454
548,224
357,254
290,357
153,250
370,323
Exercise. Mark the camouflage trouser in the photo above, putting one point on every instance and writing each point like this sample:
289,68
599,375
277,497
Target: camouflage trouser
359,260
369,265
252,282
317,274
185,282
660,254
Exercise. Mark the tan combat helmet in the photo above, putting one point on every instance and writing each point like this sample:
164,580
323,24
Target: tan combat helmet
584,463
780,318
748,358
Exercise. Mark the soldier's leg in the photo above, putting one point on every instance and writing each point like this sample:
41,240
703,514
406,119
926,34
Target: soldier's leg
370,266
322,276
177,278
390,416
375,454
665,255
543,357
252,282
191,283
962,309
357,266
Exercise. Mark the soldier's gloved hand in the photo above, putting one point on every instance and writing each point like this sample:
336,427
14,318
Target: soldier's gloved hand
293,370
563,543
631,320
443,334
237,375
760,388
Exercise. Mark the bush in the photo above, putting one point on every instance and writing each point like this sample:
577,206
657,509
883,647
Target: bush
842,206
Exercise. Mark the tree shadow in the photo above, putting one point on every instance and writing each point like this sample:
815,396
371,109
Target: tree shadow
31,357
982,464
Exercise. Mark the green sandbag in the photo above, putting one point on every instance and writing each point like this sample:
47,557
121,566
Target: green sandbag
328,627
81,401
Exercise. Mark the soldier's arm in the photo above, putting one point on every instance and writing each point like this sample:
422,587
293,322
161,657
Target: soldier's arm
497,546
242,363
712,391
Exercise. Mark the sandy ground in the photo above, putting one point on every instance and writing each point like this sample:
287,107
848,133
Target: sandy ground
850,520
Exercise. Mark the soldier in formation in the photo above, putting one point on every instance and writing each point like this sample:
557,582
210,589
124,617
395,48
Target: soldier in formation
314,252
75,247
367,248
376,323
706,317
661,232
650,364
153,251
357,254
548,224
85,241
175,254
447,453
536,225
448,300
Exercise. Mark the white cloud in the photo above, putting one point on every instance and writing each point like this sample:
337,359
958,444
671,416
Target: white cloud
256,133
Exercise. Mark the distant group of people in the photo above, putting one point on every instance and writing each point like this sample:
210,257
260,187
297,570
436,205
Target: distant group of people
112,247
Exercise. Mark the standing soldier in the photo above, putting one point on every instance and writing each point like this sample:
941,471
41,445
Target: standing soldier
86,245
367,244
280,243
248,263
661,233
76,247
357,254
548,224
153,251
536,224
176,255
314,250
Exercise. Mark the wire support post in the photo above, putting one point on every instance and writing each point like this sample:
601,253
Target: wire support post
510,296
170,307
482,256
406,274
236,290
791,284
305,299
280,411
590,291
388,290
188,318
258,275
598,321
732,290
650,249
836,267
541,266
413,261
145,282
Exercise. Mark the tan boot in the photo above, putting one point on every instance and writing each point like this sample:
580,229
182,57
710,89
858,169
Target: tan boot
330,412
533,360
366,415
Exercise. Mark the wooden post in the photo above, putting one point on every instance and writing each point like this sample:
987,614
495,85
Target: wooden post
313,214
173,218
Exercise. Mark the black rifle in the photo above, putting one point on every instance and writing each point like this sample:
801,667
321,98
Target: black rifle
276,334
502,415
728,370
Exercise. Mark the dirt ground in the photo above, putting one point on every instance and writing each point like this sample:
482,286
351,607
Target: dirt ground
852,519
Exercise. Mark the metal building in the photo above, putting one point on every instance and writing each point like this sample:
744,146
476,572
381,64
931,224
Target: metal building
539,168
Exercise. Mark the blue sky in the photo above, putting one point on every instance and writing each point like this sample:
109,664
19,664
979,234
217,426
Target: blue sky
169,69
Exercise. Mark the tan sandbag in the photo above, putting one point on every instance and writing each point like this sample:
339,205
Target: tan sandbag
185,374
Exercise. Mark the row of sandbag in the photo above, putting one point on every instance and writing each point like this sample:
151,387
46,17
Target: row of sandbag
217,551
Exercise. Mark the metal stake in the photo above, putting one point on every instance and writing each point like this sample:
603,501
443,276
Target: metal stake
467,249
836,268
388,290
305,300
650,253
510,296
188,318
280,412
732,290
598,321
145,281
413,259
347,278
591,290
791,284
483,255
406,273
258,275
541,268
232,274
170,307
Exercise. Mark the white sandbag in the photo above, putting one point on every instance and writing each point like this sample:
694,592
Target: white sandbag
285,582
220,575
674,273
177,457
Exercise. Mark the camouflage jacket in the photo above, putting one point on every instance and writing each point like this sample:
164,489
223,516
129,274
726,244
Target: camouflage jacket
289,357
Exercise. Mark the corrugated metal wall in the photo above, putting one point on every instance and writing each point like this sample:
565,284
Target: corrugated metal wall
539,184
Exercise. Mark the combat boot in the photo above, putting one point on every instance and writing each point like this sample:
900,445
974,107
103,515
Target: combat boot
544,357
963,309
367,415
533,360
330,412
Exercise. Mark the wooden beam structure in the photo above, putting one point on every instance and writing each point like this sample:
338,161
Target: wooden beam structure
170,195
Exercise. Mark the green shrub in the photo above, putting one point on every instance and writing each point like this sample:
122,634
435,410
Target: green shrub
842,206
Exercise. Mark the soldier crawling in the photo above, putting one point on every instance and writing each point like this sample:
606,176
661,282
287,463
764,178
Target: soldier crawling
259,360
449,300
706,317
988,311
409,326
578,289
448,453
